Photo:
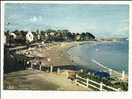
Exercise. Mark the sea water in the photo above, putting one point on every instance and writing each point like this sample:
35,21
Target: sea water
111,54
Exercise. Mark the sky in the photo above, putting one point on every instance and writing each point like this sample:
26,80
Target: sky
101,20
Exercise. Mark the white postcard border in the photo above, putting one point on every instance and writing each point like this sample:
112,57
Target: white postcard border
6,94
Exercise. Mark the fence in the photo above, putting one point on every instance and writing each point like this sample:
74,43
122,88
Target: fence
85,82
107,69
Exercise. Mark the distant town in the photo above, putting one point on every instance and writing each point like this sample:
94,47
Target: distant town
49,35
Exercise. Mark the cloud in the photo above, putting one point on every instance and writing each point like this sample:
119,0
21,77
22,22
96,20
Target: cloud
35,18
124,26
124,29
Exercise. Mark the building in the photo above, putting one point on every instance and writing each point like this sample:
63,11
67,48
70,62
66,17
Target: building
29,37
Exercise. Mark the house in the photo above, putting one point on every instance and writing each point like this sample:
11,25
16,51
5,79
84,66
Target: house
52,33
29,37
11,38
78,37
13,35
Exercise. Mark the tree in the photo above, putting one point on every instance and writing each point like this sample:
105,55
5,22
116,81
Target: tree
83,36
89,36
69,36
42,33
65,32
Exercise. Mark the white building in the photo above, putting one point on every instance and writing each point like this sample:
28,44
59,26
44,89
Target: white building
52,33
13,35
29,37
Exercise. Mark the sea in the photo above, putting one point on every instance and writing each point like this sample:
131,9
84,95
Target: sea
113,55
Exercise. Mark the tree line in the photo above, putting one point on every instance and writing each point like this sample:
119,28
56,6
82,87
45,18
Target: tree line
49,35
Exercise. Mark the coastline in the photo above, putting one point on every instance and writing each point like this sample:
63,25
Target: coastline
43,80
59,56
115,73
38,80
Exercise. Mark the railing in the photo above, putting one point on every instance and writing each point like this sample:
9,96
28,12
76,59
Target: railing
107,69
85,82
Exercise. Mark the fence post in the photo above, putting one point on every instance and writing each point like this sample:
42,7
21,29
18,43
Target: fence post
51,69
123,75
76,78
110,72
58,70
87,82
76,75
40,67
101,86
31,66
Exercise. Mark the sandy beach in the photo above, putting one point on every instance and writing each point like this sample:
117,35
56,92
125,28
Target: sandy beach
58,54
55,54
40,80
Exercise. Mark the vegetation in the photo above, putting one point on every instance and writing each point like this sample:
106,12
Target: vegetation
48,35
13,61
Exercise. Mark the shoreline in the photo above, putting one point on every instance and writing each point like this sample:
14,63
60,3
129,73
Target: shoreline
58,54
45,80
115,73
32,79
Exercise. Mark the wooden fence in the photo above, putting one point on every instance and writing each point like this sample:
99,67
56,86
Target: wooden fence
85,82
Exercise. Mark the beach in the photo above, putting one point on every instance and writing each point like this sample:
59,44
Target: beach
41,80
55,54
